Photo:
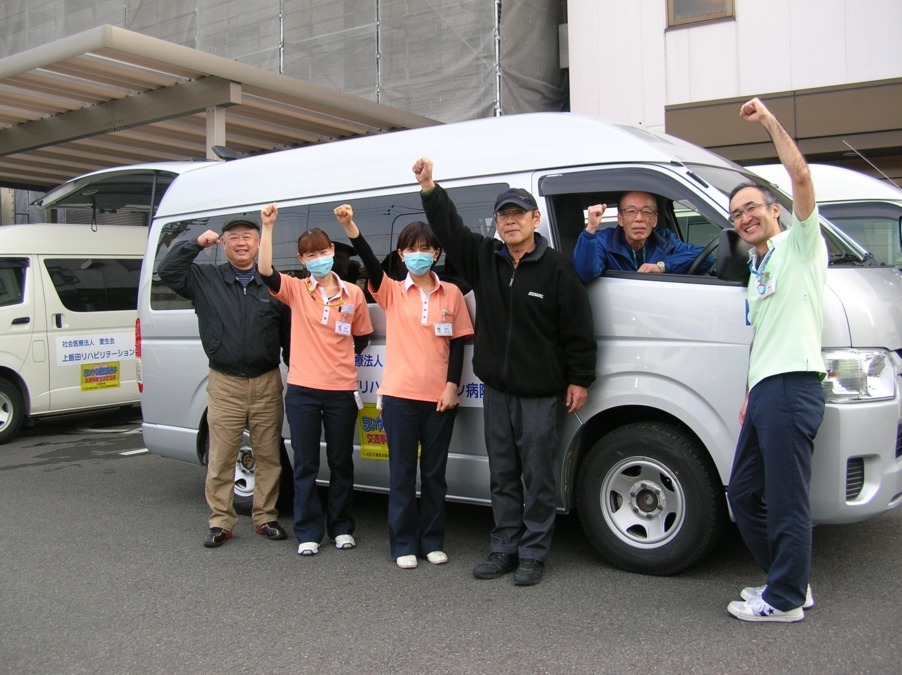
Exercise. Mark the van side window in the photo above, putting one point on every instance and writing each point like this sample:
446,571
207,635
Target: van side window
95,284
12,281
380,219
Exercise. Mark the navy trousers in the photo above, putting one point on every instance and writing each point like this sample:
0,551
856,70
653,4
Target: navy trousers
770,480
410,423
312,412
521,435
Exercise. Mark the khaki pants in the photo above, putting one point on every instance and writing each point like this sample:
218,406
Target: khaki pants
233,404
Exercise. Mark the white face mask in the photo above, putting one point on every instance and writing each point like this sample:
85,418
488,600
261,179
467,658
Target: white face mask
320,267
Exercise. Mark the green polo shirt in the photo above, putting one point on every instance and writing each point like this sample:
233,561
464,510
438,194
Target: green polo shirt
788,322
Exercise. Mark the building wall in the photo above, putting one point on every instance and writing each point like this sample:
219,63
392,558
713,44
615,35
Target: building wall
626,65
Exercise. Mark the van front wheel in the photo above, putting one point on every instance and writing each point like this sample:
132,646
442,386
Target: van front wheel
12,411
649,499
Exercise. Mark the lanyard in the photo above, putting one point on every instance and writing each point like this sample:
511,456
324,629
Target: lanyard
637,261
758,271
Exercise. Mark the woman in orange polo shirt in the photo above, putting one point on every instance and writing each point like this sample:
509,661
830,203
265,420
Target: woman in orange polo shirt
426,324
330,323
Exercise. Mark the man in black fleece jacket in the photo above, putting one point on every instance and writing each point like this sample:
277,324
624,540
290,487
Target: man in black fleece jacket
534,351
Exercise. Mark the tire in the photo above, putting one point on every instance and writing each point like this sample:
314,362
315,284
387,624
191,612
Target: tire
12,411
650,500
243,496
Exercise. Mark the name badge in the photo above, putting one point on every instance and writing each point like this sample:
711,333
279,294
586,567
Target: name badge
766,288
444,330
342,328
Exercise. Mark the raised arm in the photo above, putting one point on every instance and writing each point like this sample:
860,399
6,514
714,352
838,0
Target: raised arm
345,216
790,156
268,216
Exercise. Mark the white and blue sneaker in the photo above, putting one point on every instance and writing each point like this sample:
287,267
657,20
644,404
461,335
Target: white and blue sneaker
757,609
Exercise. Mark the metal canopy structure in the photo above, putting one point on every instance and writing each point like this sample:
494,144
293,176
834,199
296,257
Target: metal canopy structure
110,97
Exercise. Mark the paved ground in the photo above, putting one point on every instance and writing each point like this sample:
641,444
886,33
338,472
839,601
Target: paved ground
104,572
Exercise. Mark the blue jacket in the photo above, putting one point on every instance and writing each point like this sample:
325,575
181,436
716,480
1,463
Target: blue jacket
608,249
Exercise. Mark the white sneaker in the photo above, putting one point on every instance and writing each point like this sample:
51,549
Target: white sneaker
344,541
437,557
757,609
308,548
407,562
750,592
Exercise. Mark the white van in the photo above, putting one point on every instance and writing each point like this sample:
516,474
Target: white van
867,209
647,460
68,295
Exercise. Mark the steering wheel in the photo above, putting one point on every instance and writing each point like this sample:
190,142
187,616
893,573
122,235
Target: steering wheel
709,247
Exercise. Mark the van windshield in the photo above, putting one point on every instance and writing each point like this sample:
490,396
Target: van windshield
842,249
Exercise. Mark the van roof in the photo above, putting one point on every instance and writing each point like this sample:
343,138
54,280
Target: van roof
52,239
484,147
833,183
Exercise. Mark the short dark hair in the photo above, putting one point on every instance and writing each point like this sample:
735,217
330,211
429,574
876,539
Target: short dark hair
313,240
416,233
623,195
766,191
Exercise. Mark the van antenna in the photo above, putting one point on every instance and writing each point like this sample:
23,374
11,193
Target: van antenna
872,165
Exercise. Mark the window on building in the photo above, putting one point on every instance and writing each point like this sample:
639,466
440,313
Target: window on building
683,12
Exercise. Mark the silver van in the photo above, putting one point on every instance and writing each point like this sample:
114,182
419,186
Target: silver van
646,462
68,295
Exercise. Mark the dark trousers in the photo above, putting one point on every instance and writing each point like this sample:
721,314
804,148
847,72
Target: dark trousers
770,480
311,412
521,435
410,423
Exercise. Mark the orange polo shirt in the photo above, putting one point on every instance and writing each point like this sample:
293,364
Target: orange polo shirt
416,358
321,357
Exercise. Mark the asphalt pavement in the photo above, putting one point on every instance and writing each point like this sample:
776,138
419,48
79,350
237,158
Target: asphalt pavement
104,572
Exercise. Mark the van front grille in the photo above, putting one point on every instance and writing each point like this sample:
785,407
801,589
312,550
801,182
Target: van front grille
899,441
854,478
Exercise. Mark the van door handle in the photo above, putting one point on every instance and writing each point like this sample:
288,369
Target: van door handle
58,320
18,321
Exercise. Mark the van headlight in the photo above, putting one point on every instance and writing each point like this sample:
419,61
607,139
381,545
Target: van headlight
855,375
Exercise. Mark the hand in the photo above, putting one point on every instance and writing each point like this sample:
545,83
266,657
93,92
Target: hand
268,215
422,169
576,398
742,410
754,111
649,268
345,216
448,399
595,214
208,239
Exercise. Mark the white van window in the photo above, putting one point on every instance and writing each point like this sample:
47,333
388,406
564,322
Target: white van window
95,284
877,227
12,281
380,219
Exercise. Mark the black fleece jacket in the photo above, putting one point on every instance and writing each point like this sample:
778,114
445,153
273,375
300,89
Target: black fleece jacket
534,330
241,329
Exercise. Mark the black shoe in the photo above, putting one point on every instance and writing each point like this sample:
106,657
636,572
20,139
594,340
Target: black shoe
272,531
216,537
496,565
529,572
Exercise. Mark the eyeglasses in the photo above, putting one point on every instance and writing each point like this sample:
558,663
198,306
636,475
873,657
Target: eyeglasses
510,213
631,212
747,210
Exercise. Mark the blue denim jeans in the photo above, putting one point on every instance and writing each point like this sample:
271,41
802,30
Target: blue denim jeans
410,423
312,412
770,480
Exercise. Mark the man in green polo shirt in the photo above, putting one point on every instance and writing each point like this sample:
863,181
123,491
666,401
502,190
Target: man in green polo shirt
784,406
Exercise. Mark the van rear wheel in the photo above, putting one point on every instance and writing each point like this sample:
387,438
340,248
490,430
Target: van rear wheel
12,411
649,499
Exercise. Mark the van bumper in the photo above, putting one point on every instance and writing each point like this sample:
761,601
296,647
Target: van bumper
857,467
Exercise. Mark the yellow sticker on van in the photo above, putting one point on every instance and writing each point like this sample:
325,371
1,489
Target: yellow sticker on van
100,375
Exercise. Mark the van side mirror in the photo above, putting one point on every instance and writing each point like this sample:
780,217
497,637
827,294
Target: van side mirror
732,257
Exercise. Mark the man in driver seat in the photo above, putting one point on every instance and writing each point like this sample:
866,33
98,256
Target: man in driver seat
634,246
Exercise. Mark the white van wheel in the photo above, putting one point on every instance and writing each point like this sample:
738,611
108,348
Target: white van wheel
649,500
12,411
